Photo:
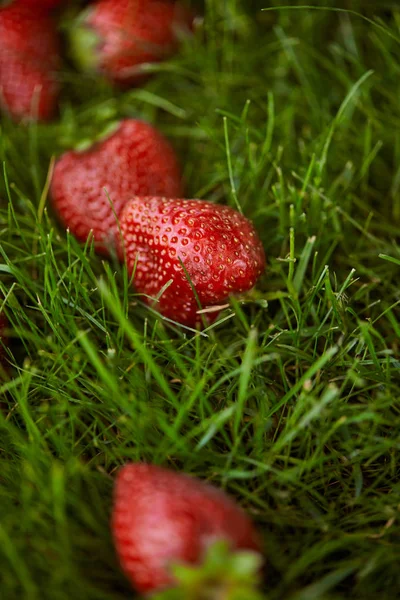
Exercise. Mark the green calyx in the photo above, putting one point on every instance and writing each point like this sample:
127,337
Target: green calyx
84,43
224,575
105,133
83,139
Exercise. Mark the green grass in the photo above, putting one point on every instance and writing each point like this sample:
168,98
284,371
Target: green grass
290,402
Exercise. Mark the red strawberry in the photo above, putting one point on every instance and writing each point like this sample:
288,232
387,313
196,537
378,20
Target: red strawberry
29,61
218,247
115,37
161,517
136,159
39,4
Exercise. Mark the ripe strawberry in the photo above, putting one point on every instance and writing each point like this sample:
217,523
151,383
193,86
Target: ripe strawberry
115,37
29,61
135,159
218,247
39,4
161,517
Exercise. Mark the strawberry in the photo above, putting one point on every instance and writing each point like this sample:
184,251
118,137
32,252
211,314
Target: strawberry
46,5
217,246
161,518
116,37
29,60
135,159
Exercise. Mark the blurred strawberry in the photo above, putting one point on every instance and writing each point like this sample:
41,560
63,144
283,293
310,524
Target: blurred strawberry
162,518
29,60
116,37
38,5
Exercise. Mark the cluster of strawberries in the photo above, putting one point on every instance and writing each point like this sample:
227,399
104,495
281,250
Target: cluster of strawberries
185,256
125,191
112,37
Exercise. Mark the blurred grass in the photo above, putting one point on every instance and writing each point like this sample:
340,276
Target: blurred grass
291,401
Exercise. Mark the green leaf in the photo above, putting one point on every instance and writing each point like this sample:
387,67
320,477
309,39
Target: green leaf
224,575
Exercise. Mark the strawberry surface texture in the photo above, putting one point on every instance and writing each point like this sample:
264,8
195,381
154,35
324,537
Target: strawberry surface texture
115,37
190,245
135,159
29,61
161,518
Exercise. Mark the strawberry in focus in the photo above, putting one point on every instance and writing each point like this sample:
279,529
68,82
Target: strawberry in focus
214,246
135,159
29,61
116,37
161,518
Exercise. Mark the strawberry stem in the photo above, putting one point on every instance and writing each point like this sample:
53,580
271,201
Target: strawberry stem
84,43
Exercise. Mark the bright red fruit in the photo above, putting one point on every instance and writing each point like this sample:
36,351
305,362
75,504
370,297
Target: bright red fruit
218,247
161,517
136,159
29,61
115,37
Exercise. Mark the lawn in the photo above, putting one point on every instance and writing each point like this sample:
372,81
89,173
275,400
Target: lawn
291,400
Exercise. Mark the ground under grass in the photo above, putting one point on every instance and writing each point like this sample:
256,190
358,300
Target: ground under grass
291,401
